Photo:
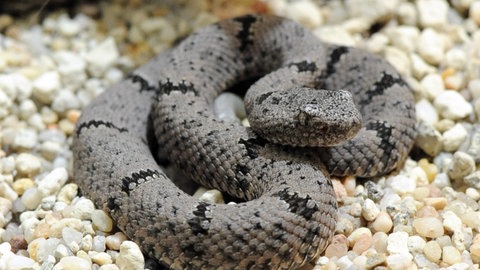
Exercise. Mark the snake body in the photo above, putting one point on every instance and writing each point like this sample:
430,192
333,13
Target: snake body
286,212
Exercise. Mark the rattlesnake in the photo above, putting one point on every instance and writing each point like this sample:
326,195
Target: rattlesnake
286,210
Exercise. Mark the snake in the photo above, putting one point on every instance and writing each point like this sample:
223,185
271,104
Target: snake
315,109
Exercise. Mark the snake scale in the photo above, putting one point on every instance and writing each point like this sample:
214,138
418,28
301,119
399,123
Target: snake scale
286,212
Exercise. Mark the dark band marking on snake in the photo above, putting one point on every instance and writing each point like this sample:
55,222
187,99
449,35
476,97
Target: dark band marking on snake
288,212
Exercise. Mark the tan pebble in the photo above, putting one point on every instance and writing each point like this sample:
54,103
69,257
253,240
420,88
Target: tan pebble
444,125
421,193
102,221
433,251
438,202
427,211
355,235
431,170
428,227
451,255
22,184
73,263
114,241
33,247
101,258
350,183
475,249
109,267
73,115
435,191
383,222
447,73
339,188
338,247
380,241
67,193
66,126
362,244
42,230
130,256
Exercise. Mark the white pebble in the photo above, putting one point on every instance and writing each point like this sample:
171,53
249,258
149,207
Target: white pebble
130,256
399,261
65,100
431,46
432,84
46,86
420,68
430,227
452,105
98,243
5,105
474,12
27,108
17,262
102,57
474,88
428,138
407,13
25,139
53,181
454,137
70,236
399,59
73,263
370,210
432,13
397,242
72,68
462,165
229,107
304,12
402,184
415,244
451,221
82,208
456,58
102,221
335,34
31,198
114,241
404,37
27,164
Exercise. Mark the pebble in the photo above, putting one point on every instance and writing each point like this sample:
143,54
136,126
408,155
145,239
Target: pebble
428,227
428,138
27,165
399,59
398,243
369,210
102,57
382,223
102,221
73,263
402,184
462,165
454,137
114,241
130,256
431,46
451,105
25,140
46,87
304,12
432,251
338,247
432,13
474,12
473,146
415,244
433,85
451,255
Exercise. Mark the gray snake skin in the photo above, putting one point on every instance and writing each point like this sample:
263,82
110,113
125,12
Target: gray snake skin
286,210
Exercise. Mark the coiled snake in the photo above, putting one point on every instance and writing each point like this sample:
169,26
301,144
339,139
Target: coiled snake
288,212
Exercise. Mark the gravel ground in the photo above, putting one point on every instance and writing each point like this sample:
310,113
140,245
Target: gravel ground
424,216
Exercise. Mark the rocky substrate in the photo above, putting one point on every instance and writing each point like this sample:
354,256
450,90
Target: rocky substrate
424,216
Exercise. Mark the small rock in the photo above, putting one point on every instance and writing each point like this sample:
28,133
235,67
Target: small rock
338,247
67,193
462,165
17,262
433,85
452,105
102,57
397,243
25,139
415,244
428,138
407,13
431,46
451,255
370,210
380,242
27,164
31,198
114,241
102,221
383,222
456,58
399,261
73,263
304,12
432,251
399,59
53,181
46,86
473,180
451,222
473,146
65,100
404,37
474,12
402,184
428,227
420,68
432,13
5,105
436,202
130,257
444,125
335,34
98,244
101,258
454,137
